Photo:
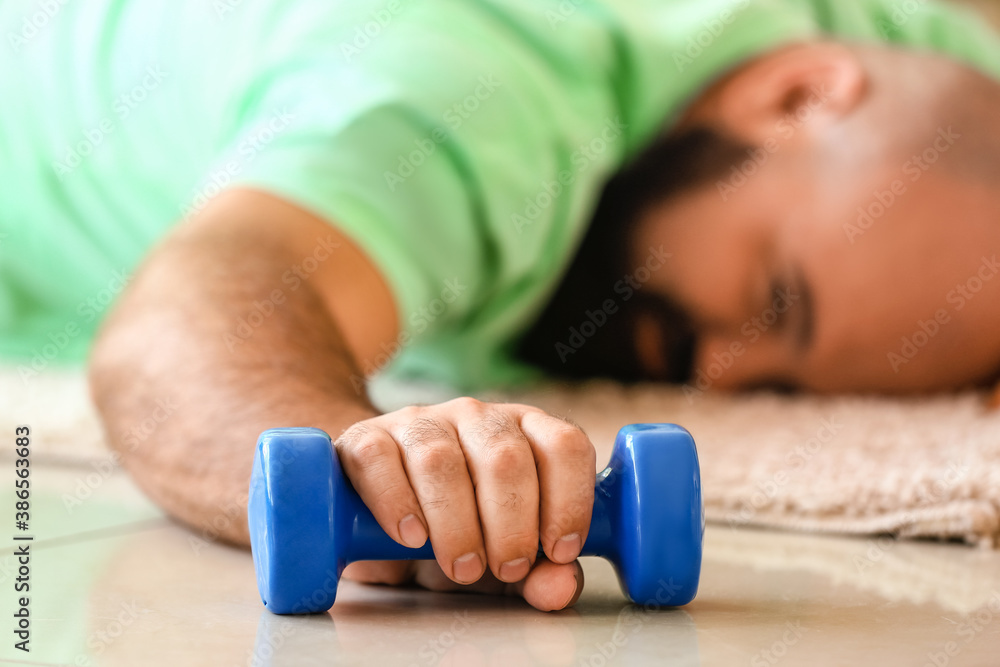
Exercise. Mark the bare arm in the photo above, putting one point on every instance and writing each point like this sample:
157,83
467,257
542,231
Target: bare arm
255,315
182,388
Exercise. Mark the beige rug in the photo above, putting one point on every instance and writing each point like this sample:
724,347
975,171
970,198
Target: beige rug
913,468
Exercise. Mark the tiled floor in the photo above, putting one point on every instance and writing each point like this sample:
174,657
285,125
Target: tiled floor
115,583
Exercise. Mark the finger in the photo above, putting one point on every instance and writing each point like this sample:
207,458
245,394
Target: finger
503,470
435,465
371,460
388,572
566,459
553,586
548,587
429,575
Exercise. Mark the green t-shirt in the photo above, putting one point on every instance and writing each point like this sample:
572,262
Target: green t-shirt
462,144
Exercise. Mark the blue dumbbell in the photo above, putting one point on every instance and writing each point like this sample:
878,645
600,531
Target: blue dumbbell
307,522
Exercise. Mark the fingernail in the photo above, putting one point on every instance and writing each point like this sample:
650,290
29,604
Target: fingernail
468,568
412,531
514,570
567,548
578,578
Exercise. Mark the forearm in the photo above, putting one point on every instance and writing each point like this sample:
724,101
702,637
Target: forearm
183,394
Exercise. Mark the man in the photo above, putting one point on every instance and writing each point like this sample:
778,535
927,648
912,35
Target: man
804,198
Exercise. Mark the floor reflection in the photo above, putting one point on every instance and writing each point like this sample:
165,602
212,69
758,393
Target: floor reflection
420,628
957,577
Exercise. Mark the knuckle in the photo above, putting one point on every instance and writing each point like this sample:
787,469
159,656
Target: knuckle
528,538
422,431
514,544
365,446
568,421
459,539
377,474
569,440
510,502
499,426
442,461
441,534
505,456
456,539
466,403
504,448
352,434
408,413
368,452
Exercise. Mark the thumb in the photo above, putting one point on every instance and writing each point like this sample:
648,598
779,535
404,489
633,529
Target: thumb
388,572
552,586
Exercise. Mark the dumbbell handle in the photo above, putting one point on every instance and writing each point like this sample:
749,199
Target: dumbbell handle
369,542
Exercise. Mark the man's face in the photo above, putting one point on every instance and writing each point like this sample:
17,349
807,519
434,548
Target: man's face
815,276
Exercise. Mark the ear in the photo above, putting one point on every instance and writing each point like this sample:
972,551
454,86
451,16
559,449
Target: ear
804,86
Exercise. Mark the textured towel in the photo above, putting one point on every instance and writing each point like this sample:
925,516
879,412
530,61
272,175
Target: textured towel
913,468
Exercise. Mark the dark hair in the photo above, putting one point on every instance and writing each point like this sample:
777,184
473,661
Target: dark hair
671,165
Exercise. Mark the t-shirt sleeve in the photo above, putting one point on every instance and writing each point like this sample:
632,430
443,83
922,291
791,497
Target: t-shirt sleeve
441,161
366,158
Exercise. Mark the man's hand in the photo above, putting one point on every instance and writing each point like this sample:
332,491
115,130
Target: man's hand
487,483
